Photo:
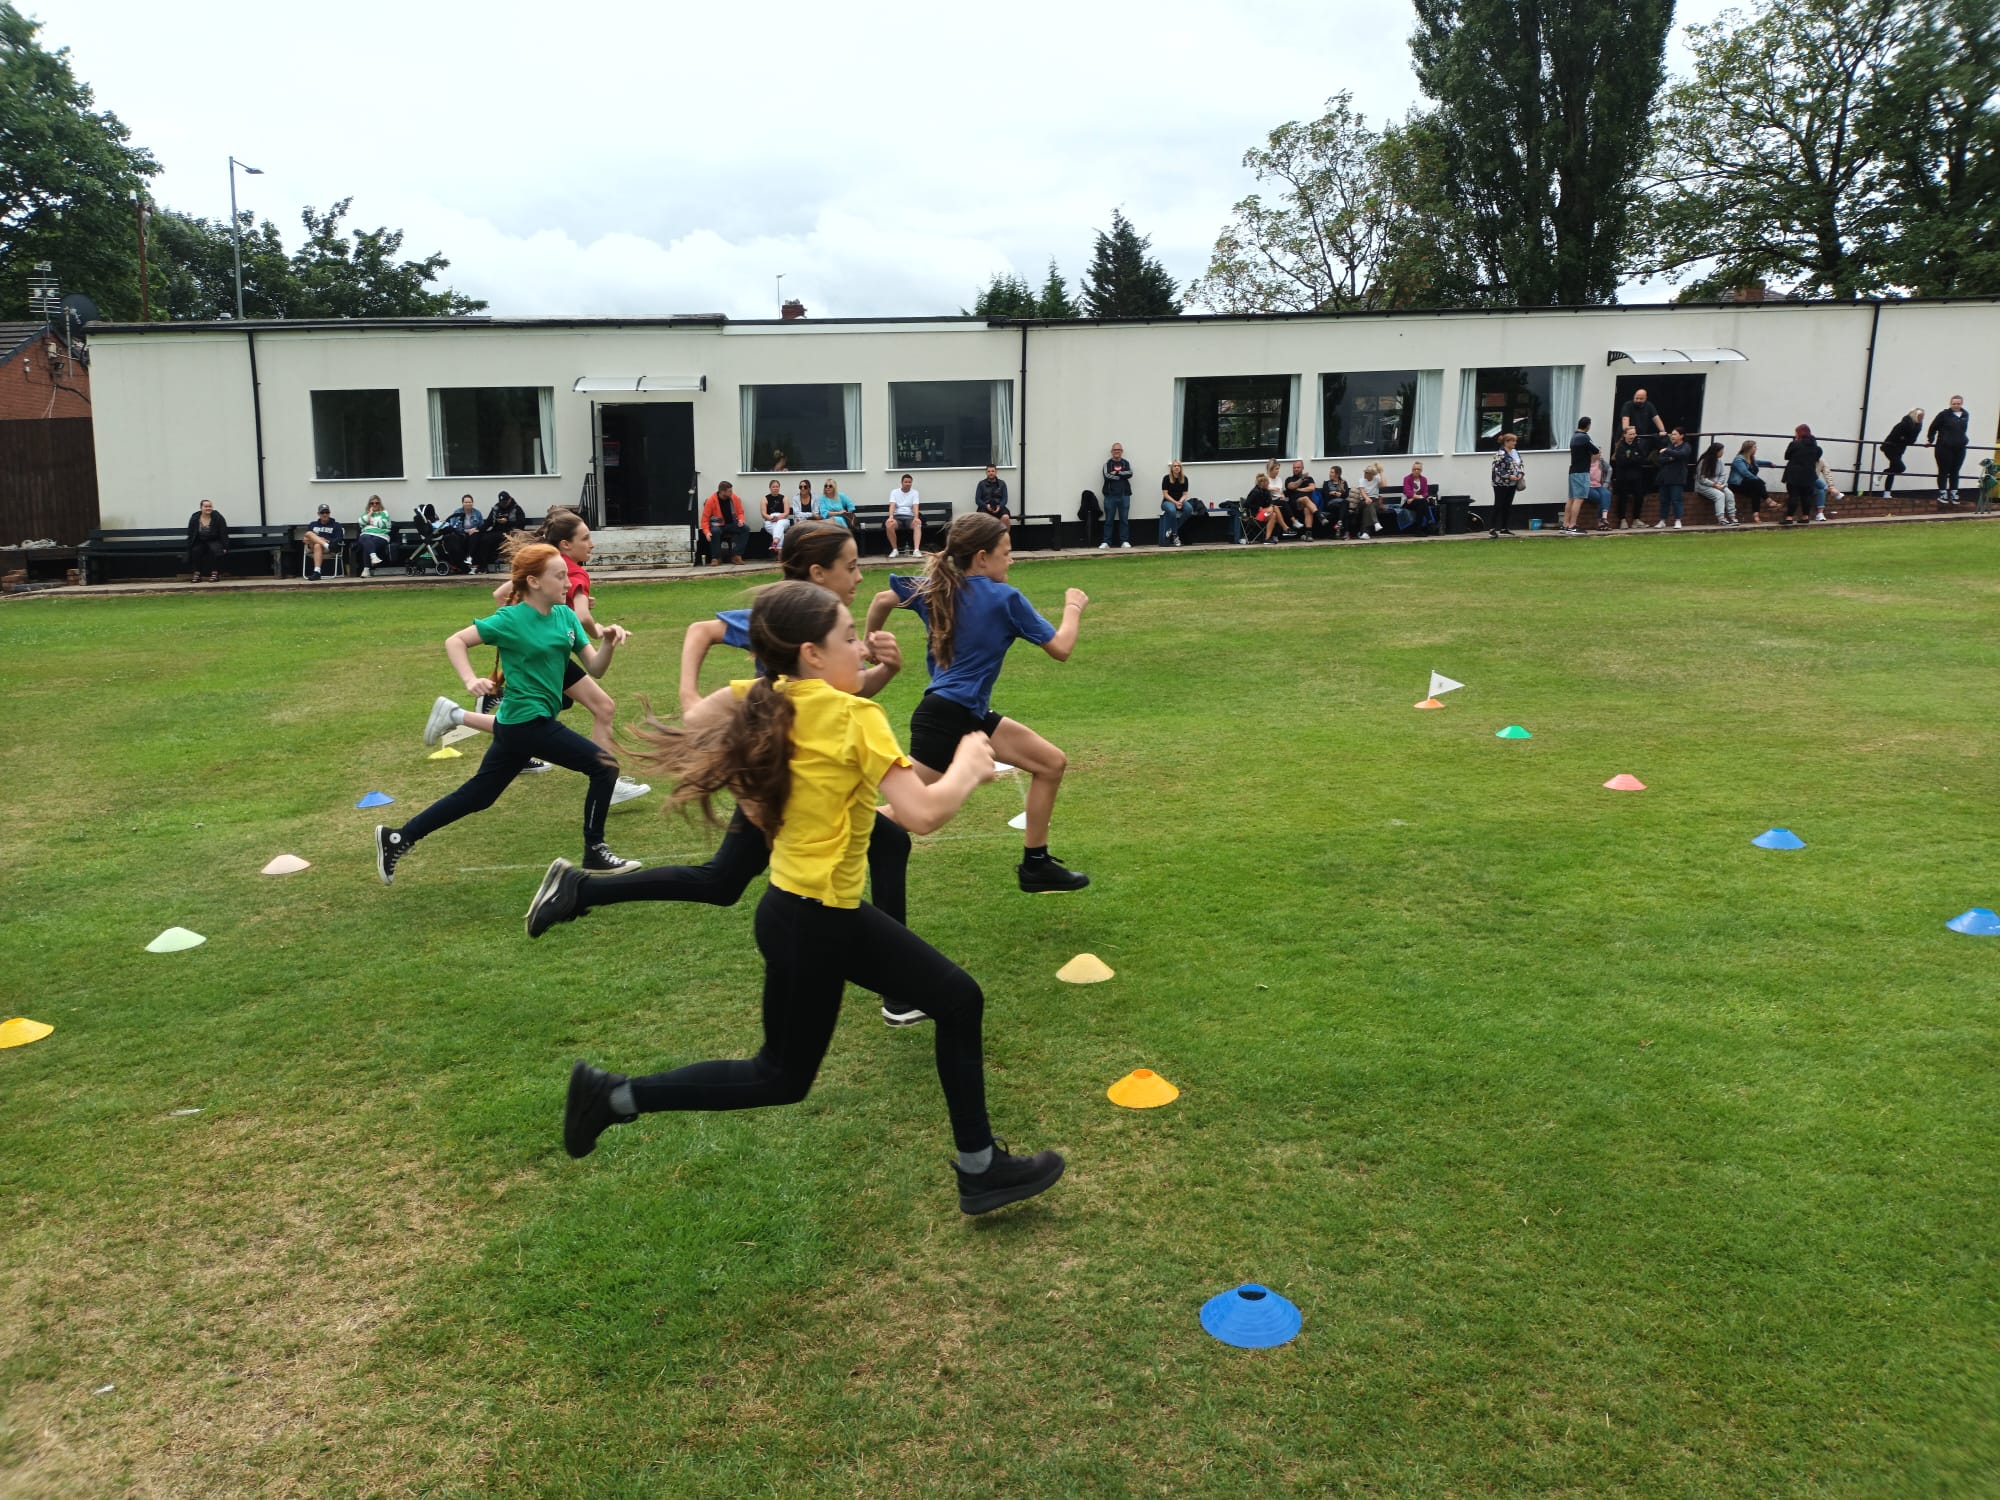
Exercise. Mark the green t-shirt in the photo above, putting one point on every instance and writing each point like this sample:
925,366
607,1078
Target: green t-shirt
533,651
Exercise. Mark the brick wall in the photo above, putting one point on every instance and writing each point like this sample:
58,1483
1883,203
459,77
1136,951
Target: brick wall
33,388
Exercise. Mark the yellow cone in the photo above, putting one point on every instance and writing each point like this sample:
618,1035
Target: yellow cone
1142,1088
1085,968
447,753
20,1031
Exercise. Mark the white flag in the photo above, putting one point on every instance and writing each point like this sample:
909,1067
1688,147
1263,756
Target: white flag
1442,684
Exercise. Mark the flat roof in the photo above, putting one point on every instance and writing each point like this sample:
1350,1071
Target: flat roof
717,320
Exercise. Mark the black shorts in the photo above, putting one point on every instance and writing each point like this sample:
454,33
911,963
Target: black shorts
938,724
573,673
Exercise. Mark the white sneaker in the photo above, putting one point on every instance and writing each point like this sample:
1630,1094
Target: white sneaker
1243,541
1125,546
1378,525
1102,546
1677,526
1659,526
627,789
534,766
439,721
367,572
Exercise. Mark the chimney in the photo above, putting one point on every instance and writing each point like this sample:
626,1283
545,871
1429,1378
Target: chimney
1754,292
792,311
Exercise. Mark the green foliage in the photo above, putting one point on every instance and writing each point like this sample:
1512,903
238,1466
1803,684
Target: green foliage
1055,302
1541,122
1606,1155
1005,296
68,174
1123,280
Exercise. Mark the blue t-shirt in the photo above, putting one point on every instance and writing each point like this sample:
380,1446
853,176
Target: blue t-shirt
991,617
735,627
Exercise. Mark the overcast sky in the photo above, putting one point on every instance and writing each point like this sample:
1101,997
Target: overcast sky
616,157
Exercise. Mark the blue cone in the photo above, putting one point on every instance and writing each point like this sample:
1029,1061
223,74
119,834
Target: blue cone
375,799
1979,922
1778,838
1251,1317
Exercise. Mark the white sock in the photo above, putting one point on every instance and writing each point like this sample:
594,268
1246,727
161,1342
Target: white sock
972,1163
621,1100
457,714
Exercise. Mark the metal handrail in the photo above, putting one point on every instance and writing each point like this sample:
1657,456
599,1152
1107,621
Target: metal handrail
1871,446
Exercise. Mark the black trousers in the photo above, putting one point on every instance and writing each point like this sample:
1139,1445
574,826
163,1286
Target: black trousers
1949,462
206,557
1896,466
811,953
514,745
1628,499
742,856
1503,506
1799,500
479,549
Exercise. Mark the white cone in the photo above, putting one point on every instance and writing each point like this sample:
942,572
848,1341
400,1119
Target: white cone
287,864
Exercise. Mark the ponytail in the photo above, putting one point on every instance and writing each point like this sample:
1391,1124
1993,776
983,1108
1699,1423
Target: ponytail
944,576
558,526
748,753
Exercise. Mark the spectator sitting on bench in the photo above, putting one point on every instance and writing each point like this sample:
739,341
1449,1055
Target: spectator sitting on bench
1264,506
1299,490
1364,508
834,506
208,540
778,513
1417,496
377,537
505,518
904,503
324,532
991,496
1333,495
1175,508
722,524
464,540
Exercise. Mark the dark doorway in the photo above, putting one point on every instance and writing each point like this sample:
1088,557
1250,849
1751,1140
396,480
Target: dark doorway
1677,398
647,469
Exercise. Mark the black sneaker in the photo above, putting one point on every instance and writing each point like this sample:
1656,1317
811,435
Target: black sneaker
389,847
599,860
587,1112
555,898
908,1017
1049,875
1008,1179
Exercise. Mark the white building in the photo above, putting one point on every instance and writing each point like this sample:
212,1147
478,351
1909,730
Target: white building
643,415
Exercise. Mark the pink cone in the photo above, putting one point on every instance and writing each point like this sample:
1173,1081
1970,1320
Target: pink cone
1625,783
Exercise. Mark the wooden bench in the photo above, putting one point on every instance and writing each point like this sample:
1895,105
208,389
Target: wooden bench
105,547
873,519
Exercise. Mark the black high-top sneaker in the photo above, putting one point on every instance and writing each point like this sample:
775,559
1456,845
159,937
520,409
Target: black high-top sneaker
1007,1179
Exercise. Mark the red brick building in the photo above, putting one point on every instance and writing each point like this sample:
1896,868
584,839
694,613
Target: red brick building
48,465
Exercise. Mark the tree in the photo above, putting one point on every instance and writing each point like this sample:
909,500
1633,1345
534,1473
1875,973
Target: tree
1934,116
1055,303
331,278
1763,169
1321,246
68,174
1542,111
1005,296
1123,280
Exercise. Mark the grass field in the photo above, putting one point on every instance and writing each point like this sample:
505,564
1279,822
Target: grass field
1604,1153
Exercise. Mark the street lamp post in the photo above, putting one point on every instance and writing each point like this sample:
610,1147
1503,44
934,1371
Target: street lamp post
236,228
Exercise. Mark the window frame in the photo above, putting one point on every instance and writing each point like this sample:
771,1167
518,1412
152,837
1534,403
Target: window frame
1284,386
1407,417
395,427
440,444
1000,459
1481,443
747,441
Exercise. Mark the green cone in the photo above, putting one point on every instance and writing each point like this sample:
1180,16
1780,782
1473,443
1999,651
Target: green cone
1512,732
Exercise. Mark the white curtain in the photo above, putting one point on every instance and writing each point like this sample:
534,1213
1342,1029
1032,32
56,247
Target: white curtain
1292,420
747,398
1424,420
1468,412
850,398
1003,422
547,401
1178,443
1565,401
437,434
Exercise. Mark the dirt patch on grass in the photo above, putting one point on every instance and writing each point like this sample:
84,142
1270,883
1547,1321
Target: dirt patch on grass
229,1283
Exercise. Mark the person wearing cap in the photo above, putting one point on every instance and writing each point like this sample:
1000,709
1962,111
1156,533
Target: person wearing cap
506,516
722,524
324,532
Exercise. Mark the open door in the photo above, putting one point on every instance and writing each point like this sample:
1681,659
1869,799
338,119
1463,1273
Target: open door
645,462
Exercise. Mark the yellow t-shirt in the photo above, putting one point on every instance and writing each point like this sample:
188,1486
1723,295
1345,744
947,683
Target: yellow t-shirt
842,747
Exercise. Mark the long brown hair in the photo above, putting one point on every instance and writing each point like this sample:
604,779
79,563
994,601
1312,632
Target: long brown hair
527,560
748,753
812,543
557,526
944,577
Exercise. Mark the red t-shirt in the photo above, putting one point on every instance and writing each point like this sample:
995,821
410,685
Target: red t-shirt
579,581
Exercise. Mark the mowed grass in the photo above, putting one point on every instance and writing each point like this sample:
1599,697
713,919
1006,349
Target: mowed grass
1604,1153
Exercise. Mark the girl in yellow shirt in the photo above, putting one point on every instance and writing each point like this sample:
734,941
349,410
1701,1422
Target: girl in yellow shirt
806,759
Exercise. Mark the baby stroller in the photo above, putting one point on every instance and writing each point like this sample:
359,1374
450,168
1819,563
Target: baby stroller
424,557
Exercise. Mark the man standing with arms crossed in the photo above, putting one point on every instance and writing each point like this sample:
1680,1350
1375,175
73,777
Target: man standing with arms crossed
1117,500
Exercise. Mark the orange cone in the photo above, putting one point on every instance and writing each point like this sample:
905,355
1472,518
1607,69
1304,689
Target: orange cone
1142,1088
1625,782
1431,703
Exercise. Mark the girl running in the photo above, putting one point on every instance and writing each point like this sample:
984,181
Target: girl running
816,552
536,635
568,533
973,616
806,759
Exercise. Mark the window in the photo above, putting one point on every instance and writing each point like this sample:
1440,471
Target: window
1533,403
801,427
493,431
1379,412
357,435
1236,417
952,424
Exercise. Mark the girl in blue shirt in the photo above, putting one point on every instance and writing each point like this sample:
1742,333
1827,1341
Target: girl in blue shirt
972,615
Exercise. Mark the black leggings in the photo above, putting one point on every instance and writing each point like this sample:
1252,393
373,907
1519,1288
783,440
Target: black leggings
1629,500
1949,462
742,856
811,952
514,745
206,557
1799,501
1503,506
1896,466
